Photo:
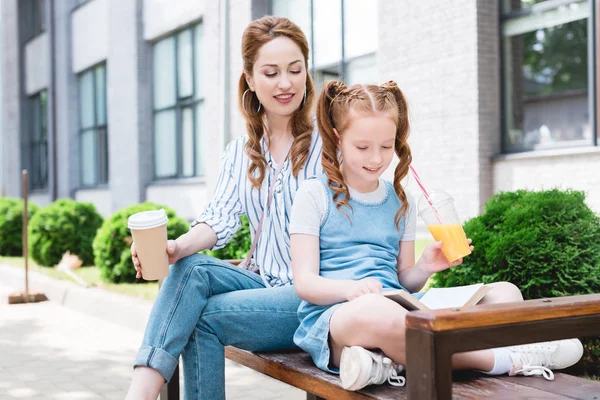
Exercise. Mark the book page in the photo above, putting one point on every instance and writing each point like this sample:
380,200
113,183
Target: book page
452,297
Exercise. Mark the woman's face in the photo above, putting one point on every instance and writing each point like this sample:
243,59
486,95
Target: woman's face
279,77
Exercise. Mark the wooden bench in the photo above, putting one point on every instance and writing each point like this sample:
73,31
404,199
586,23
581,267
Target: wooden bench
432,338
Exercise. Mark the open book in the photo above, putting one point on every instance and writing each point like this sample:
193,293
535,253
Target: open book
436,298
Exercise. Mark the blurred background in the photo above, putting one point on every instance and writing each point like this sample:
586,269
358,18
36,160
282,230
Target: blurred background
121,101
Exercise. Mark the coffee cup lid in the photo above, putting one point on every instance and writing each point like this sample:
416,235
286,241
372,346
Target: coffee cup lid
147,219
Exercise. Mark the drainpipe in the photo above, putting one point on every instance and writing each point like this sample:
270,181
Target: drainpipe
226,75
52,175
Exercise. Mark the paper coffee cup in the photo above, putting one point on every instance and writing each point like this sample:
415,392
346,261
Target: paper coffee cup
149,231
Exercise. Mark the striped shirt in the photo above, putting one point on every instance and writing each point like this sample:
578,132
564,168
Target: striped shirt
234,195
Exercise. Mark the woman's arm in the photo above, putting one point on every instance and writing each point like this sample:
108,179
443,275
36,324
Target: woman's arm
200,237
222,214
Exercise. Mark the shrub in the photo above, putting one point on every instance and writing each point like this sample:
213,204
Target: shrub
112,243
547,243
238,246
11,225
65,225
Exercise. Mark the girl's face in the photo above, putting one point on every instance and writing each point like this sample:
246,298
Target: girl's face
367,147
279,77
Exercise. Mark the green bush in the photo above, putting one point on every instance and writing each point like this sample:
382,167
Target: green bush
11,225
238,246
546,242
112,244
65,225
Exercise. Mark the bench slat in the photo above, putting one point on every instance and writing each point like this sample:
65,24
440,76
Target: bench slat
567,385
297,369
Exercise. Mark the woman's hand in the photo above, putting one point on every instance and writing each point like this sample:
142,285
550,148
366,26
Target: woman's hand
363,286
433,260
172,251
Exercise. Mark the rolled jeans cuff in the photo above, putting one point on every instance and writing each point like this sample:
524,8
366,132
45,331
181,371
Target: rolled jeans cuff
157,359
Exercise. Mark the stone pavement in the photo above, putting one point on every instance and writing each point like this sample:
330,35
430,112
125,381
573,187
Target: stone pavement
52,351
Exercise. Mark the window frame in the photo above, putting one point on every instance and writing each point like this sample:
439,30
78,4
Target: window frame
99,130
38,141
592,77
34,18
192,102
339,68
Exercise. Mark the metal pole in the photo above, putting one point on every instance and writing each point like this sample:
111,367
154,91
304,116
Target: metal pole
25,216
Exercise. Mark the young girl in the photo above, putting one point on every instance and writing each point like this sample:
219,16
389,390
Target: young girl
352,236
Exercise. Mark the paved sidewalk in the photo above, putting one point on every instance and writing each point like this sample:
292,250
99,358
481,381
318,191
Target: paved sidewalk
50,351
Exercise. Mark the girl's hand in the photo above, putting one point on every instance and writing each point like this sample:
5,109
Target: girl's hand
433,260
172,251
363,286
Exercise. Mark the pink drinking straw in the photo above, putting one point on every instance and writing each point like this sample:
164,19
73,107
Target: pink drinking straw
425,193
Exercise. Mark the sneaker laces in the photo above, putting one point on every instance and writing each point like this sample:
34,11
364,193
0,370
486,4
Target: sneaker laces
385,371
532,360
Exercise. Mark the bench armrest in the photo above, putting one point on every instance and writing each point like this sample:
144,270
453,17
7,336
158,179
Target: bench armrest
432,337
504,313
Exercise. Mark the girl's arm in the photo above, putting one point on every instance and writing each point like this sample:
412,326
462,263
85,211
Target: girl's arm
414,276
308,212
312,287
411,275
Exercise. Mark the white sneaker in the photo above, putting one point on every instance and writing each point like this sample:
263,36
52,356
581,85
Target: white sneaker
542,358
360,367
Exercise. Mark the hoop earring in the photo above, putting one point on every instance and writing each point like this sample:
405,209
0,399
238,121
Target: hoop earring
244,104
303,99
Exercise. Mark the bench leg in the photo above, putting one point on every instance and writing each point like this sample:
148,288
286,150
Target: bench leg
429,372
170,391
310,396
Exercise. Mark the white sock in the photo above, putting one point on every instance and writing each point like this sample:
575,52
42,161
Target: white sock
502,361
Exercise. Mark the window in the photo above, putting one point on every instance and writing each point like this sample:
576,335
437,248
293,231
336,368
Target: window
546,74
93,140
38,144
178,98
342,35
33,17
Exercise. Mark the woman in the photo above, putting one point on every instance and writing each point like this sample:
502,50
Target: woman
206,303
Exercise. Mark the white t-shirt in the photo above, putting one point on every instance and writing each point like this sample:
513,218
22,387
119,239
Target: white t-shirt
310,208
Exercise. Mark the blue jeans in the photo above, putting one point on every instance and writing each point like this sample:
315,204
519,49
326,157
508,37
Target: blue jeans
206,304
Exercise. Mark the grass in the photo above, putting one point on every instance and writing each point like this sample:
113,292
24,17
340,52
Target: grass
90,275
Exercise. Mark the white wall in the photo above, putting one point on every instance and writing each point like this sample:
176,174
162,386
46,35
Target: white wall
565,168
188,200
41,198
37,62
101,198
164,16
90,34
433,57
2,190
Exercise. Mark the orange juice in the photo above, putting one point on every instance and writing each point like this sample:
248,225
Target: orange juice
454,240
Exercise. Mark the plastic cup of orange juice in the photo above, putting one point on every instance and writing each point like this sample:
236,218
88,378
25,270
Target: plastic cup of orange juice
438,212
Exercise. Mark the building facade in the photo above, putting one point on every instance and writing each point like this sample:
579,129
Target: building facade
118,102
